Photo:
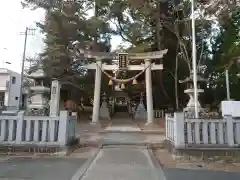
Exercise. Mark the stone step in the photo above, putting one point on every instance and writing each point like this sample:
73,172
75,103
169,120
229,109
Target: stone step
144,146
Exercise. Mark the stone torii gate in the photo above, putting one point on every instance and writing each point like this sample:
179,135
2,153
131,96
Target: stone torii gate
148,66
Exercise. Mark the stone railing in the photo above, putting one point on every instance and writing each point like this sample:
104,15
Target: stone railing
159,113
38,130
202,133
170,127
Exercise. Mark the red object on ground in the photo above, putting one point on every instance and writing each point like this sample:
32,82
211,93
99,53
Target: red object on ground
70,105
162,122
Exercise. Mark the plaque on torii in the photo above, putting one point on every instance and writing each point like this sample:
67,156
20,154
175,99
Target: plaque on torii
124,59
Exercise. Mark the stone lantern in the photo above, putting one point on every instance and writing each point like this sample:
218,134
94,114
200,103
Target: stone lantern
190,108
39,93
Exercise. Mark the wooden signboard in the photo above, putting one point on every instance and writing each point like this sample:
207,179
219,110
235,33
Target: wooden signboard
230,108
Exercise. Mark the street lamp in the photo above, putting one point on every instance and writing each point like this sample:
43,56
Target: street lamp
6,62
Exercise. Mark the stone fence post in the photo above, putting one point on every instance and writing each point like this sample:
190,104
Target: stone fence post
179,139
19,127
230,135
63,128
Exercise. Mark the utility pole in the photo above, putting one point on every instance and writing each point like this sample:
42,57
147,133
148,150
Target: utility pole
28,31
227,84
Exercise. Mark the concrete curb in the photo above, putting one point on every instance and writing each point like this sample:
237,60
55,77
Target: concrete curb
134,132
148,145
118,131
154,159
157,165
32,149
125,144
153,132
81,171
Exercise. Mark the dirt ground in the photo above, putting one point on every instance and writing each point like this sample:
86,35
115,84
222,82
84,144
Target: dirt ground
171,161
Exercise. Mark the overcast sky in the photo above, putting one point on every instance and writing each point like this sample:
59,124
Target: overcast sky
14,21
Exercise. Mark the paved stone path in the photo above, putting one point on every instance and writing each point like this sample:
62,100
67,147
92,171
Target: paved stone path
126,131
123,138
132,138
123,128
123,163
123,125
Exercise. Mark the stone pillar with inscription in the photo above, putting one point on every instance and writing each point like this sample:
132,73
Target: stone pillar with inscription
55,98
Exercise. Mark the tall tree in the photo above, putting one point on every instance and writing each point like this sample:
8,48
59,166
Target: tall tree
225,52
66,22
146,26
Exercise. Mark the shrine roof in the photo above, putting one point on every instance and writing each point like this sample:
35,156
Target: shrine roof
38,73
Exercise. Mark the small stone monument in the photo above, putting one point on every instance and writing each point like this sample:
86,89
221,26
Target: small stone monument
39,93
141,112
55,98
104,110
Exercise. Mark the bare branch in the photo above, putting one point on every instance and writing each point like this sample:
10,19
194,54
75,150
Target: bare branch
119,26
181,44
201,54
185,57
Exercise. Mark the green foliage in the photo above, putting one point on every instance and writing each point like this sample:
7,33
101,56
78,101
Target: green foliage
65,23
147,26
225,52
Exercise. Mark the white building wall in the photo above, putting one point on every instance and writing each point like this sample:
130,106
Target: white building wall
9,87
6,98
14,89
4,85
4,78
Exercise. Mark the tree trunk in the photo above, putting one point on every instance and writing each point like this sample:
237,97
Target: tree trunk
159,39
176,81
96,37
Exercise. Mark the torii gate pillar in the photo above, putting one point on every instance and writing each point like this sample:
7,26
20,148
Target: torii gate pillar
148,78
97,92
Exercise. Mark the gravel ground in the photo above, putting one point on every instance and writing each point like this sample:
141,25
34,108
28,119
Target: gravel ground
170,161
186,174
